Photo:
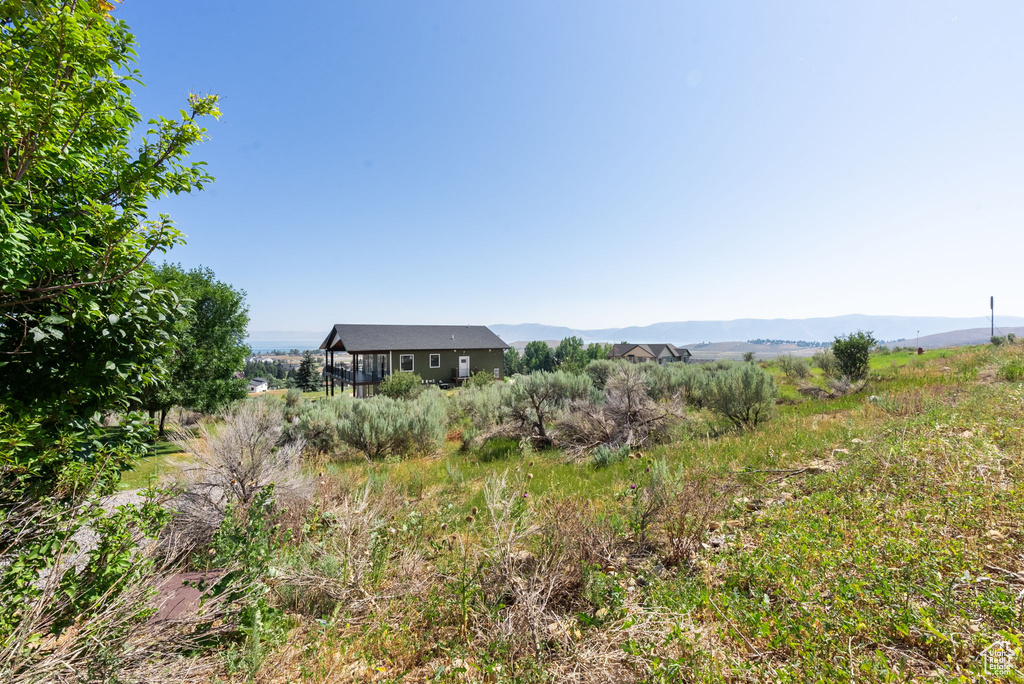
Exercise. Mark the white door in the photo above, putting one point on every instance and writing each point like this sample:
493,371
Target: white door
463,366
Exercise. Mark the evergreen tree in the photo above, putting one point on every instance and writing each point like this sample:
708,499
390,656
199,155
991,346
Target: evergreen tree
308,378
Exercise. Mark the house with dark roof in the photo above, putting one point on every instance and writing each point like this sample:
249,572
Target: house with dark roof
440,354
643,353
258,385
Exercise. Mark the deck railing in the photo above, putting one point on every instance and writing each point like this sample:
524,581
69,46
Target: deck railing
354,377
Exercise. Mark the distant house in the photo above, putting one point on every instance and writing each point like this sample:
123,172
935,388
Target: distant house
643,353
440,354
258,385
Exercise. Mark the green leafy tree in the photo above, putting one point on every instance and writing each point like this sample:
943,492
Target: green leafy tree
537,356
208,347
308,378
83,326
852,353
513,362
570,356
597,351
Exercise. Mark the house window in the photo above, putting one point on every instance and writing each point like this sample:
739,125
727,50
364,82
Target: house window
405,362
435,360
497,372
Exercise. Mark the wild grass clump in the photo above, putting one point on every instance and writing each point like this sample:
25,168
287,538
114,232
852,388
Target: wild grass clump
1012,371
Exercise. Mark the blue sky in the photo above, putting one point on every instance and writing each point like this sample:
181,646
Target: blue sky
598,164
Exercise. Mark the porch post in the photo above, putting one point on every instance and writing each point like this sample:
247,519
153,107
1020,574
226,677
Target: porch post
326,377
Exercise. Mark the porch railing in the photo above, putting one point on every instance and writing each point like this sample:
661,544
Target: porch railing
346,374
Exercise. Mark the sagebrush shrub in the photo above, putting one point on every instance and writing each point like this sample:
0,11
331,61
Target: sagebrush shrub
794,367
745,394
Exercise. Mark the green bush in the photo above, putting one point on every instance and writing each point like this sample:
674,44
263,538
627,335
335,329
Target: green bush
382,426
400,386
675,380
480,379
826,361
317,424
794,367
745,394
604,456
998,340
600,370
852,352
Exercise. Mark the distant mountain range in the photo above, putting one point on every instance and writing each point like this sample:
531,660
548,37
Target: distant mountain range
809,329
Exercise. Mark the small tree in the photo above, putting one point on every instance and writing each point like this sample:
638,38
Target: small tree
597,351
538,357
745,394
569,355
852,352
748,357
308,377
401,386
997,340
513,362
208,347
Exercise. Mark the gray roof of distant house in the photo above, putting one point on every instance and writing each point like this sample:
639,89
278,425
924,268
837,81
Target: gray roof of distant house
257,381
653,349
380,338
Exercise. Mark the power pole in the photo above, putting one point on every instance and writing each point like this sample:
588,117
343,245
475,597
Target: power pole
992,308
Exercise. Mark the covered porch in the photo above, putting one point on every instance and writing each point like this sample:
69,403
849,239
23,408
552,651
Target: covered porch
362,371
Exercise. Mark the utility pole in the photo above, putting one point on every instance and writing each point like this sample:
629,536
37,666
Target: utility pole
992,308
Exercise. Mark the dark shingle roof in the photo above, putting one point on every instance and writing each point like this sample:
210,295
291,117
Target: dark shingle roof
655,349
368,338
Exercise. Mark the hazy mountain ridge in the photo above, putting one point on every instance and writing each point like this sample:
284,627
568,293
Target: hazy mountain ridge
809,329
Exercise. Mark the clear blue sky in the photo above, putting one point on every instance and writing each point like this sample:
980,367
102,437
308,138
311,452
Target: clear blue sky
599,164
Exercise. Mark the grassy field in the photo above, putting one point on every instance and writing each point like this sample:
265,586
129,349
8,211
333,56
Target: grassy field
878,537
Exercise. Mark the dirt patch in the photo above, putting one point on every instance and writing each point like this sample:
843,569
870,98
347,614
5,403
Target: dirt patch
178,596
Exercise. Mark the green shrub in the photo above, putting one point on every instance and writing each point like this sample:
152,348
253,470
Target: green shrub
852,352
480,379
794,367
826,361
600,370
317,424
675,380
997,340
604,456
1011,338
745,394
382,426
400,386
